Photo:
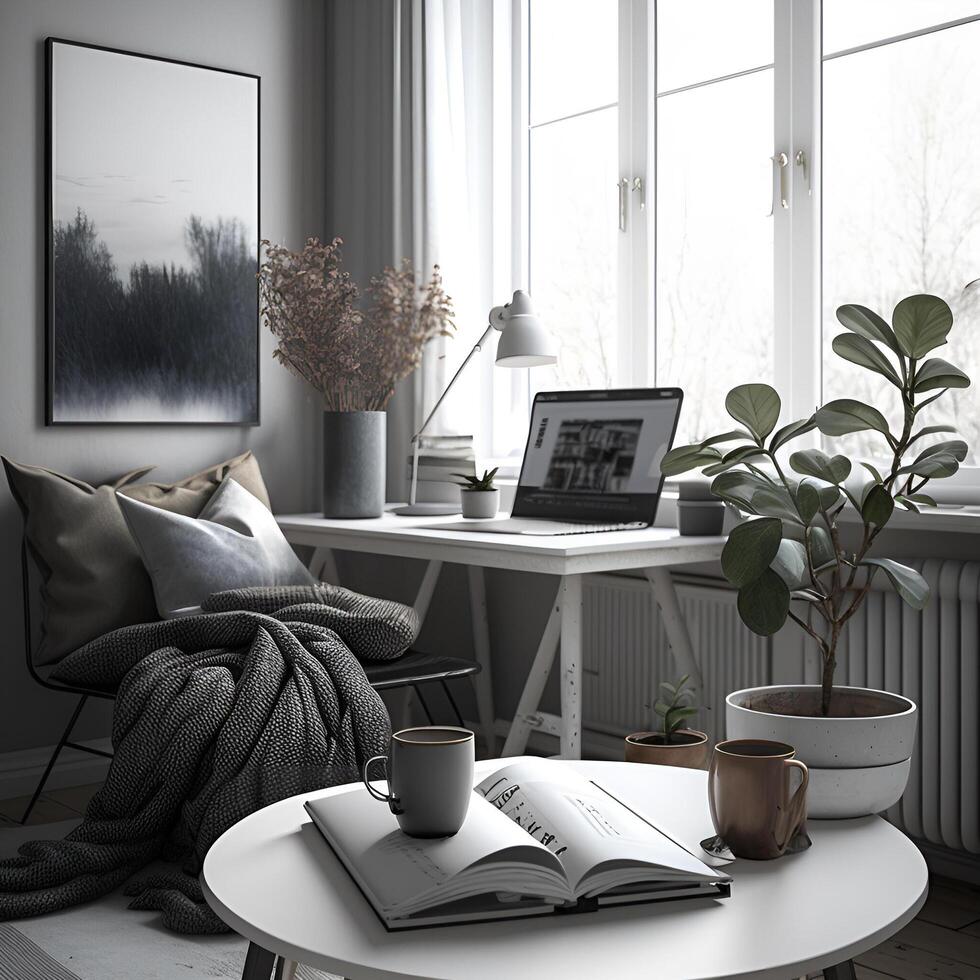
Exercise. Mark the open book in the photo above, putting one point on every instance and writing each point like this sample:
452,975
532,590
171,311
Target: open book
538,838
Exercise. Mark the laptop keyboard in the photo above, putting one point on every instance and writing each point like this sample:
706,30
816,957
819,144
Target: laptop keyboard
527,525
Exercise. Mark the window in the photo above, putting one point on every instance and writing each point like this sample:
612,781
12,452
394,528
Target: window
707,180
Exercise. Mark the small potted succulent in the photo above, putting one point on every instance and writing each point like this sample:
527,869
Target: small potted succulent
795,558
480,497
673,744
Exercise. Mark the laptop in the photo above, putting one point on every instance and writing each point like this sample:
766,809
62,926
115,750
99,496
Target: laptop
592,462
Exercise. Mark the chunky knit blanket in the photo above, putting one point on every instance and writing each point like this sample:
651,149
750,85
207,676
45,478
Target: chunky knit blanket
216,715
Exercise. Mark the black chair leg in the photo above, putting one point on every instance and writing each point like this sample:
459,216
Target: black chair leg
452,702
425,707
54,756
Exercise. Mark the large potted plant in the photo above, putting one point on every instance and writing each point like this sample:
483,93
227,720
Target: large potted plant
352,352
793,558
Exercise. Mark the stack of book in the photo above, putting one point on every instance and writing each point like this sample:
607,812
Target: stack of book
439,458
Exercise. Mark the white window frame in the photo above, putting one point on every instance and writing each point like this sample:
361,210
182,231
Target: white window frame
797,257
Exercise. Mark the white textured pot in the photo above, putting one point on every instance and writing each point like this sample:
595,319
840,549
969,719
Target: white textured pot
837,793
869,732
480,503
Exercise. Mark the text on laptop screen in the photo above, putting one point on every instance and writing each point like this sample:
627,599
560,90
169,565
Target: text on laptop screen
596,459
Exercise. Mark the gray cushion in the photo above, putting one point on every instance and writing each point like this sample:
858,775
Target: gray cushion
234,543
92,578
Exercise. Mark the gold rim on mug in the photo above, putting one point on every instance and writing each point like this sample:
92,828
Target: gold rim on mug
465,732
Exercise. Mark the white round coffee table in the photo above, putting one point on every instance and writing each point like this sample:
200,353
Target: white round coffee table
273,879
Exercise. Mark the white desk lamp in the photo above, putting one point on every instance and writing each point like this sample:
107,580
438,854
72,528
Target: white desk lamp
524,342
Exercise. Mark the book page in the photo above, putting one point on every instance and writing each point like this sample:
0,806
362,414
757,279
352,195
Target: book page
588,830
399,871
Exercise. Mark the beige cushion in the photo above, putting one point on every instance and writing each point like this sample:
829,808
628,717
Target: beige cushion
93,580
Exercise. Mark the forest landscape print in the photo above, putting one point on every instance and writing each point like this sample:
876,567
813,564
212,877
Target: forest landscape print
153,240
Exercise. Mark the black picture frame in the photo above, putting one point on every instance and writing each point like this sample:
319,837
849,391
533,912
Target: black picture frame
249,414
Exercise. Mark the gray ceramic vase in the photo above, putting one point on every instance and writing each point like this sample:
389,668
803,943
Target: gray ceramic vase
353,464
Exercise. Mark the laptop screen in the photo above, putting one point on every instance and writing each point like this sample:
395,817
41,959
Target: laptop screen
595,455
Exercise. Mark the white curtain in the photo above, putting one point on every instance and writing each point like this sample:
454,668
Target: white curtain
417,148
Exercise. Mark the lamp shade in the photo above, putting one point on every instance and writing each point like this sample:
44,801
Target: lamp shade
524,340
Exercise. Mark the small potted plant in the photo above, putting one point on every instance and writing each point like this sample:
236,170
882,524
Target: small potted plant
793,558
480,497
673,745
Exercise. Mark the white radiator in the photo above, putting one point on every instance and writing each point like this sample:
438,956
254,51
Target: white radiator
932,657
626,654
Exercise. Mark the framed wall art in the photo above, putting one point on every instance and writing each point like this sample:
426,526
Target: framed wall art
152,234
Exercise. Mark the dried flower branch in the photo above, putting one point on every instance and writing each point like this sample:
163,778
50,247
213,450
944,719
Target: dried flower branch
353,357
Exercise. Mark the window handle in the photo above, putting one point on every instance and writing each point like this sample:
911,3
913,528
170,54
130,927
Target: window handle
638,186
623,186
780,180
803,163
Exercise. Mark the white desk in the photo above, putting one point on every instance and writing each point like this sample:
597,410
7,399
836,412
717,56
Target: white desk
274,880
654,550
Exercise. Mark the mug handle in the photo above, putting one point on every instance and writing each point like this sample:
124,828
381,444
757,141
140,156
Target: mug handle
380,797
796,811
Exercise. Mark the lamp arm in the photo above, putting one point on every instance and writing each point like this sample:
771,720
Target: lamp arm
477,347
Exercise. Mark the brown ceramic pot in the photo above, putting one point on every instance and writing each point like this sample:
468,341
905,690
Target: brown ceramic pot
687,748
749,796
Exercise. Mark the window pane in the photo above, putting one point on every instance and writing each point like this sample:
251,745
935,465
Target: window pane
573,231
901,203
847,24
574,56
740,37
714,245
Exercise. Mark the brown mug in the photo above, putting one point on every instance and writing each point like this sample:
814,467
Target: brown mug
749,796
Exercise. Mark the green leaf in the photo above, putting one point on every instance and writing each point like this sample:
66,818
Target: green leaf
775,502
859,351
726,437
764,604
844,415
937,373
931,430
807,501
907,504
750,549
791,431
873,471
922,498
814,462
737,488
821,547
921,324
956,447
907,582
790,563
756,406
867,323
733,458
878,506
935,467
685,458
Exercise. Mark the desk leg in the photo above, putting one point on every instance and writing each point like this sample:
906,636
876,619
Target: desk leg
526,717
426,588
842,971
258,963
675,626
483,682
571,666
323,566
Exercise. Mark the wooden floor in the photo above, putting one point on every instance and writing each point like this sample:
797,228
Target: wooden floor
941,943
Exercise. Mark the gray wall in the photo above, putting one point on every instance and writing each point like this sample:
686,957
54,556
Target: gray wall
280,40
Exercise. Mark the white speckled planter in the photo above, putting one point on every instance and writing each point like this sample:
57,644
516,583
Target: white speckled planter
836,793
868,739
